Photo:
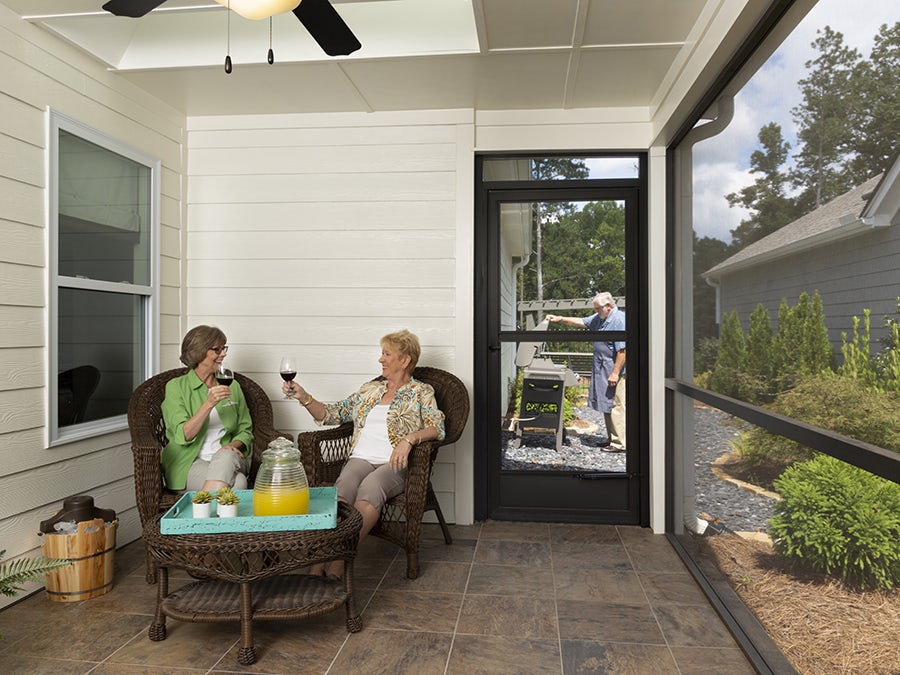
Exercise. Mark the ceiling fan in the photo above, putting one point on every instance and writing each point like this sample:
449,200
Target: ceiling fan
318,17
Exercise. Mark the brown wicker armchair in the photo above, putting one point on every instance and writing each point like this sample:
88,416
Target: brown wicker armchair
148,438
324,453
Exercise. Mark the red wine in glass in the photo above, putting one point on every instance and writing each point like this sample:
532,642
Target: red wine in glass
288,371
225,376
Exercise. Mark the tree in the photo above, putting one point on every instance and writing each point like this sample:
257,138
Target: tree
550,168
877,115
583,253
824,123
766,198
708,252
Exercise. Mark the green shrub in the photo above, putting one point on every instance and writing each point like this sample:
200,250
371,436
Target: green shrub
841,520
706,350
841,404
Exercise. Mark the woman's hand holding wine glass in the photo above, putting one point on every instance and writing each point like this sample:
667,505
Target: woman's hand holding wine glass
225,377
288,372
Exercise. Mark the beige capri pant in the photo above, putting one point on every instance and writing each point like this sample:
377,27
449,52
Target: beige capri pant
226,466
363,481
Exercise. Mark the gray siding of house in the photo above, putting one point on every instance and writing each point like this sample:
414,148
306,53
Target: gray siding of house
851,275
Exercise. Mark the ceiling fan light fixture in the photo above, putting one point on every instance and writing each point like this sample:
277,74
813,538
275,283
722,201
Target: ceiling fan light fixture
260,9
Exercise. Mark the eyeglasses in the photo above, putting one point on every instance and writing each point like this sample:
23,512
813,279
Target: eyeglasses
219,350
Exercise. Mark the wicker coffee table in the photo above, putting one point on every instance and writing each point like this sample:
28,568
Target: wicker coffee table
246,576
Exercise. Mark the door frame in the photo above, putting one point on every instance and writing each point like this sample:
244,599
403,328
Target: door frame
486,322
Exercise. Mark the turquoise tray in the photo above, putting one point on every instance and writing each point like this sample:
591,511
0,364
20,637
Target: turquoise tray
322,516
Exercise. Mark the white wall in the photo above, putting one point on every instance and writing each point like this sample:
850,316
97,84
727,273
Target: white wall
315,235
39,72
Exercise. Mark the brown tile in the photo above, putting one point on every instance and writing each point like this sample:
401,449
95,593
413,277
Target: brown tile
460,551
130,559
127,669
20,663
306,646
89,635
608,622
690,626
711,661
612,658
413,610
654,555
192,645
375,547
502,615
563,533
602,585
434,577
386,651
495,655
509,552
369,573
457,532
676,589
508,580
131,594
590,555
494,529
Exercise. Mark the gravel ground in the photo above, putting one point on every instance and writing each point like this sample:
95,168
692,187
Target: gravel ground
733,507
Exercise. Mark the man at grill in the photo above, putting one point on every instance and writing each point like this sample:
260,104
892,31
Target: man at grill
607,392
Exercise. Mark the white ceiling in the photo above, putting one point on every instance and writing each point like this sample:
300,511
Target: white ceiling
416,54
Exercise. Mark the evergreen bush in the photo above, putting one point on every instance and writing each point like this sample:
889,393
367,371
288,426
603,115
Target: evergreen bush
840,404
838,519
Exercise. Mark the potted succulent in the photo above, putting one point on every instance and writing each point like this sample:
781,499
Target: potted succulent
202,501
227,502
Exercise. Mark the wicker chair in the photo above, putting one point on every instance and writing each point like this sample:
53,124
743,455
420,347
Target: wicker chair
324,453
148,438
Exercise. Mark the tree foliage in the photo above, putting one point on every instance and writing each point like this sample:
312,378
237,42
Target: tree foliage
770,207
846,126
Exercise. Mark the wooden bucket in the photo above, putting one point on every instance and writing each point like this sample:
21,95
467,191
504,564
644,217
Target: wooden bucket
91,552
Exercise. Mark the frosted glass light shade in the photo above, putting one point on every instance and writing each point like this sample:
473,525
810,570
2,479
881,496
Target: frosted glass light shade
259,9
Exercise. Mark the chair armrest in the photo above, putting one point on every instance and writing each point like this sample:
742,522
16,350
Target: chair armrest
418,474
147,480
324,453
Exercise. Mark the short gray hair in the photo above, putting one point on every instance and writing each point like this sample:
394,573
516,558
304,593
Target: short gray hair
605,298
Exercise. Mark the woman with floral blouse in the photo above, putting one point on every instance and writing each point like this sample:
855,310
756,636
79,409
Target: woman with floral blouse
390,415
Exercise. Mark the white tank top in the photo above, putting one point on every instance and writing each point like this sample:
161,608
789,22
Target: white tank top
214,433
373,444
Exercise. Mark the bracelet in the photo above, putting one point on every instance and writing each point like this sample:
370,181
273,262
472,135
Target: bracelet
411,444
308,401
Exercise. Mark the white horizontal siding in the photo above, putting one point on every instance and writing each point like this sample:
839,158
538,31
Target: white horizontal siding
41,72
315,235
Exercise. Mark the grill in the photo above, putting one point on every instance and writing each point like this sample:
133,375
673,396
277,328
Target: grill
543,389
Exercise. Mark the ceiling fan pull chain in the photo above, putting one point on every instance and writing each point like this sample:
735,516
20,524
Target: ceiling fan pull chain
270,57
228,40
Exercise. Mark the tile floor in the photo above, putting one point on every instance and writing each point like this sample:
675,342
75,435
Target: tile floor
503,598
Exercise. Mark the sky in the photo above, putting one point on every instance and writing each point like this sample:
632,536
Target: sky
721,164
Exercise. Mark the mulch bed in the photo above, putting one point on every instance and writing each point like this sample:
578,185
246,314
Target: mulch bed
820,624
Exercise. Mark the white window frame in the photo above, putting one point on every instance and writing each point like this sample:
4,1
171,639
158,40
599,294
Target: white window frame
150,307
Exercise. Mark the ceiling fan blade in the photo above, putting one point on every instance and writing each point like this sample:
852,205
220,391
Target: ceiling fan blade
327,27
132,8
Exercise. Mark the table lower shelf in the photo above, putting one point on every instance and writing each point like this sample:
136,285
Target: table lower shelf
280,598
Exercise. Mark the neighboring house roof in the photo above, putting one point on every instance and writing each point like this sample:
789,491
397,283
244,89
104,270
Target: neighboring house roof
875,203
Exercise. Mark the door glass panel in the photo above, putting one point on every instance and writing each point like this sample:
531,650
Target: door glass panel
555,256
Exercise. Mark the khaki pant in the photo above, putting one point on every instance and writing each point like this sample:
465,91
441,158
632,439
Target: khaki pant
615,420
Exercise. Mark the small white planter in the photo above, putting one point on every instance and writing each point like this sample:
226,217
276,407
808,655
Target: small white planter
202,510
227,510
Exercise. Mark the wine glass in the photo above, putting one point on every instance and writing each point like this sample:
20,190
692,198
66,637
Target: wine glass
288,371
225,376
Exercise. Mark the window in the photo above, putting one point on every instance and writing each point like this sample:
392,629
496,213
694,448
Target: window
104,227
